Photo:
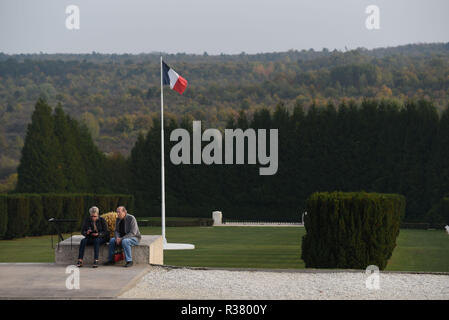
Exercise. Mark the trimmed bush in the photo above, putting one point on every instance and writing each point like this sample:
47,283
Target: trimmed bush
73,208
351,230
37,221
200,222
28,214
3,214
110,202
127,201
439,214
415,225
105,204
445,211
53,205
18,216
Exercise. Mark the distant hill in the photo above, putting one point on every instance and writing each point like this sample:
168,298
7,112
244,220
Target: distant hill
116,96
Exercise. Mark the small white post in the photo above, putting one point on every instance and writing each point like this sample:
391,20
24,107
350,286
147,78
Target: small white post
217,216
303,214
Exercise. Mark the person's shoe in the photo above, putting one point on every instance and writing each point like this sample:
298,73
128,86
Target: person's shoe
109,263
128,264
79,264
95,265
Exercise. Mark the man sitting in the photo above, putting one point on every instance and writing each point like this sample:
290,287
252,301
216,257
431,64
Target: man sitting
126,234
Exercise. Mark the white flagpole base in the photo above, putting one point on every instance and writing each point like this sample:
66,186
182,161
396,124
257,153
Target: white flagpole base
178,246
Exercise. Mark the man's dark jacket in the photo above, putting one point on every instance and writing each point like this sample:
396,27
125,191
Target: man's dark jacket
102,228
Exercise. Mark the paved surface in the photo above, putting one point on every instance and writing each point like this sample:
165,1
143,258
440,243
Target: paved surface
185,283
48,281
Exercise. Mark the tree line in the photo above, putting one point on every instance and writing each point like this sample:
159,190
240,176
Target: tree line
374,146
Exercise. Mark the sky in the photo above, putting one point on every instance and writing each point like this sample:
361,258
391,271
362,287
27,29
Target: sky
226,26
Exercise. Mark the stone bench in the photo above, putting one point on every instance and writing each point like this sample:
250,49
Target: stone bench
150,250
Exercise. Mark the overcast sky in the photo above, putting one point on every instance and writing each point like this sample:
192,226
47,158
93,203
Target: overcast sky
226,26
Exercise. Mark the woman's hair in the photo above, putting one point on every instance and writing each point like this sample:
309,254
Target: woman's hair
94,210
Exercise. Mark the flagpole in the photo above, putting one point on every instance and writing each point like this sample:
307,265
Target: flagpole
167,246
162,159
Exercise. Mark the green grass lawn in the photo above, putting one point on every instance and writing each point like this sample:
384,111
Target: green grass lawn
236,247
28,249
421,250
252,247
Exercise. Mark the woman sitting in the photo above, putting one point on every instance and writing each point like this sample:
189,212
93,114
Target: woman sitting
95,231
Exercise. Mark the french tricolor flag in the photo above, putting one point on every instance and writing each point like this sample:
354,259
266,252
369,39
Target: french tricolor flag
175,81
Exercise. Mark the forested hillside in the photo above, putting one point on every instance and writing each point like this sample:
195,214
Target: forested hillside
117,96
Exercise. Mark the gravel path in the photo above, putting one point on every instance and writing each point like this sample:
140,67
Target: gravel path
183,283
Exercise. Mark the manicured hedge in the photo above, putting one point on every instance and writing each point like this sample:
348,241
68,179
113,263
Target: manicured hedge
255,212
38,224
415,225
108,203
439,214
28,214
445,211
18,216
75,208
3,214
175,210
200,222
351,230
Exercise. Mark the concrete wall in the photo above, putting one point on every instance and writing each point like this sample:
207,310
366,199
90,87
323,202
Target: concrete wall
149,251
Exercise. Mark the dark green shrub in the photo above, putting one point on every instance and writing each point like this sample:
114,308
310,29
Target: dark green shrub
77,205
200,222
438,226
18,216
445,211
53,205
73,207
105,203
127,200
3,214
89,201
110,202
439,213
206,222
415,225
38,224
28,214
351,230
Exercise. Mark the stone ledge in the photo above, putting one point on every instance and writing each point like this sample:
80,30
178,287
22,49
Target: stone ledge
150,250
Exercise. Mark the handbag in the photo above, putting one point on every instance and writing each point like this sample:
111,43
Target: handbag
118,255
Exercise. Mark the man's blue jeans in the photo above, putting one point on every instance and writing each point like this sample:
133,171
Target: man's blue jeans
126,245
